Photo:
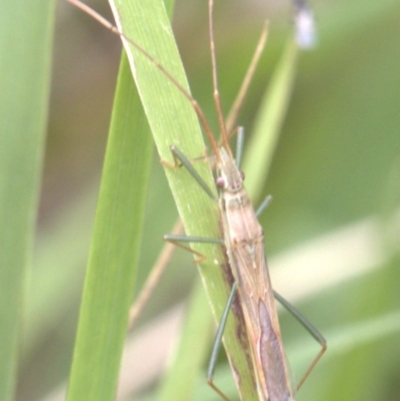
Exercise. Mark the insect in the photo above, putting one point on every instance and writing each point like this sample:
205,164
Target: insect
243,239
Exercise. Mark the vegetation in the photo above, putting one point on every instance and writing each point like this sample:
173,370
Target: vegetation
332,232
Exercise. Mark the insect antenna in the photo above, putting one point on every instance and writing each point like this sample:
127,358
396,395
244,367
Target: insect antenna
237,104
113,28
216,95
227,128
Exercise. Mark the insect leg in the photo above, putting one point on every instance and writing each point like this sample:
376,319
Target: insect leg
239,146
264,204
239,151
179,241
310,328
181,160
218,342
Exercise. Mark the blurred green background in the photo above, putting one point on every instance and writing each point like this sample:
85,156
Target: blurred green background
337,163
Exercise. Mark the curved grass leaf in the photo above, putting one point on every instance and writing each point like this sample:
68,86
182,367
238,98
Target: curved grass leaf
114,250
174,122
25,42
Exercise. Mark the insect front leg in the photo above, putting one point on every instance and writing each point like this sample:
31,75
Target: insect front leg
180,240
181,160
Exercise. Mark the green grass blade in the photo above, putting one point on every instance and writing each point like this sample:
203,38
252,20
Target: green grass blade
174,122
25,41
114,251
179,384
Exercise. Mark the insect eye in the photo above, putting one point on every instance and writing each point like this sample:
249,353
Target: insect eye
220,182
242,175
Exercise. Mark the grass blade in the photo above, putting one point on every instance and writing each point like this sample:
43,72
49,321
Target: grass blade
25,39
192,352
174,122
114,251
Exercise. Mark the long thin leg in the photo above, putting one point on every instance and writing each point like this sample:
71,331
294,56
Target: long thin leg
310,328
238,159
264,204
154,277
184,161
160,265
172,239
178,239
218,342
239,146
